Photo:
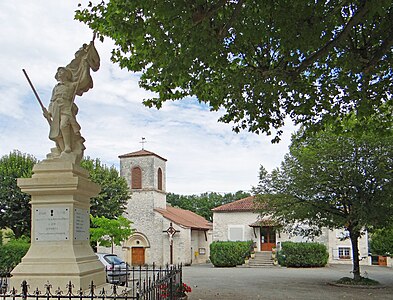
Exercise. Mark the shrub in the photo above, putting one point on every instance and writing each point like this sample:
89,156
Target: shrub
303,255
11,255
229,254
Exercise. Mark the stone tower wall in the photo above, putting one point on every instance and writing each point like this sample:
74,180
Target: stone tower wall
142,202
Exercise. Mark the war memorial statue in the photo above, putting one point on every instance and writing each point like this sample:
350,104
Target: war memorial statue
74,79
60,190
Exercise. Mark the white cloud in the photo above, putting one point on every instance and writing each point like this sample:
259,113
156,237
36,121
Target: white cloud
203,155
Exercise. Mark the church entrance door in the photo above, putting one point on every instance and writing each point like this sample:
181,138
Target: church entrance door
138,256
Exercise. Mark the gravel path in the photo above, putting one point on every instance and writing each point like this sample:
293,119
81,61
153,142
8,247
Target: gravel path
210,283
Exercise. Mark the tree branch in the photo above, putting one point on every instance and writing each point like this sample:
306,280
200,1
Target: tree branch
203,14
235,14
386,45
354,20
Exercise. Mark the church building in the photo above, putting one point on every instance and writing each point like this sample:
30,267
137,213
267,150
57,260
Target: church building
163,234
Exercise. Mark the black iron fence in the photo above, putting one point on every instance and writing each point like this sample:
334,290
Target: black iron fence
144,283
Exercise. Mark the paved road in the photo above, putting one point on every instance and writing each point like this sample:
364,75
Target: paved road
276,283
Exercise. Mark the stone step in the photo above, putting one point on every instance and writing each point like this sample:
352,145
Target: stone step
261,266
261,259
261,262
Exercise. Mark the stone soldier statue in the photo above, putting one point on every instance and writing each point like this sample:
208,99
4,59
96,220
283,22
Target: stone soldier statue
74,79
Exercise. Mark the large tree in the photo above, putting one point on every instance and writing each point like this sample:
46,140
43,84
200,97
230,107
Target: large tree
14,205
259,60
204,203
333,180
112,200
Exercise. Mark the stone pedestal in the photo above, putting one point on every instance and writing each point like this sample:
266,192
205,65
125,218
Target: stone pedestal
60,249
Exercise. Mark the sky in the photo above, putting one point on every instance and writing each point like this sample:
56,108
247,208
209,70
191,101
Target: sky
203,155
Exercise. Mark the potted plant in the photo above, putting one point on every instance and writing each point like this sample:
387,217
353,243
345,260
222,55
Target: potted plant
274,251
252,254
182,290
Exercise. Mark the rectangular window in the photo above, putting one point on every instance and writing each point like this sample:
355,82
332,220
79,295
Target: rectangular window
235,233
344,252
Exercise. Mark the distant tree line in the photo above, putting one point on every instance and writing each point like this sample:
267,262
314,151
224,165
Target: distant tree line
204,203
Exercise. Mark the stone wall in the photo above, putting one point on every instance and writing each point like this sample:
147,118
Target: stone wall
222,221
142,202
336,242
200,245
149,166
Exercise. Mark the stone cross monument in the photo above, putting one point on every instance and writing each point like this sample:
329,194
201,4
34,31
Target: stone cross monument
60,191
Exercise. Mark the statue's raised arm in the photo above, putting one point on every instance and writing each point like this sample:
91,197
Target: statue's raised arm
74,79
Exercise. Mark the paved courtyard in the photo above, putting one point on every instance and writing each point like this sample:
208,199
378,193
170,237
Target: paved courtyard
209,283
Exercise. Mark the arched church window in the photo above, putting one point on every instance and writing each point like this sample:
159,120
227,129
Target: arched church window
136,178
159,178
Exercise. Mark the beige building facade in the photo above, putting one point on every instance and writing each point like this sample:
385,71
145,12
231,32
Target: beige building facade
238,221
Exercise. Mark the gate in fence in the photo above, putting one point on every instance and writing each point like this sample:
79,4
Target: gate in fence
144,283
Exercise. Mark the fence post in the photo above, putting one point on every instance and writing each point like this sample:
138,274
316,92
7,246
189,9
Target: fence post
171,283
92,286
24,289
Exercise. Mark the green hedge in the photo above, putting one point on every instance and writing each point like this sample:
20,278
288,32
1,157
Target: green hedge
303,255
229,254
11,254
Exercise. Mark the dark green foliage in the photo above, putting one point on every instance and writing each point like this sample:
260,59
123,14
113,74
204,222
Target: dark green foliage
303,255
1,238
381,242
258,61
15,210
229,254
112,199
204,203
11,255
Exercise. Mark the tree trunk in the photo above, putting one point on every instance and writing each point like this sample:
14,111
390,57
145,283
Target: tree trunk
354,236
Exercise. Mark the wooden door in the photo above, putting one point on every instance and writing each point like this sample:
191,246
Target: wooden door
268,238
138,256
382,261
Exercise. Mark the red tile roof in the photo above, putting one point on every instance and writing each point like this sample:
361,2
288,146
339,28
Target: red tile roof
185,218
140,153
266,221
245,204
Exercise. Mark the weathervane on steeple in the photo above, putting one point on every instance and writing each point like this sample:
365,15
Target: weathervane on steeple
143,143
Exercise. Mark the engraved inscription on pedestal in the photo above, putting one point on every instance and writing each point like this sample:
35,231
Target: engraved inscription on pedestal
52,224
81,224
